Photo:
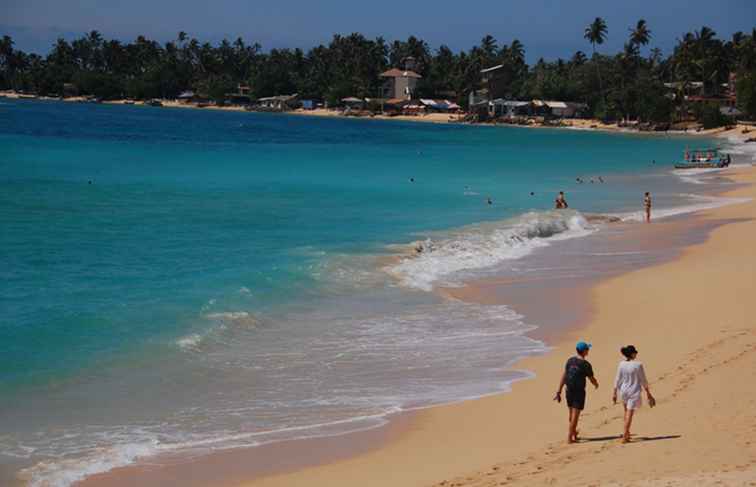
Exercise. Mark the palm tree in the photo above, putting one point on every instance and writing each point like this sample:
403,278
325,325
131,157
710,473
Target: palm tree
641,34
595,33
517,52
703,40
578,59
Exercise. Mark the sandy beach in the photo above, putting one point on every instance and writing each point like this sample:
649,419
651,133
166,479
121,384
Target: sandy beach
691,319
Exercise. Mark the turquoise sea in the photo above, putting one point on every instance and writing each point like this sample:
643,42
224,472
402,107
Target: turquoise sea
186,280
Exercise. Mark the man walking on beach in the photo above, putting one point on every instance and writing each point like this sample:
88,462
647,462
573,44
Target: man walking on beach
647,206
576,370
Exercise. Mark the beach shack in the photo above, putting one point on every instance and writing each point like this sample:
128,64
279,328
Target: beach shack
512,108
353,103
439,106
186,96
279,103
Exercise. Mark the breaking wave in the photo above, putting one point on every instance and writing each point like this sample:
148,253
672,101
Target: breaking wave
486,245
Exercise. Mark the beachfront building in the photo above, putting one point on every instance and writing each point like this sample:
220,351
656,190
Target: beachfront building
240,97
353,103
441,106
400,83
279,103
496,82
510,109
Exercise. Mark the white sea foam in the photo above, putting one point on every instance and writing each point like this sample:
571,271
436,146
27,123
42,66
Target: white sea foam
190,342
64,472
67,471
486,245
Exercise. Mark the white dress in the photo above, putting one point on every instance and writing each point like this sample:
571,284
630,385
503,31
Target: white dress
630,381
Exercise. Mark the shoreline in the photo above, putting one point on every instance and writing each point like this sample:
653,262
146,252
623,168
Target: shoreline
409,434
739,130
477,429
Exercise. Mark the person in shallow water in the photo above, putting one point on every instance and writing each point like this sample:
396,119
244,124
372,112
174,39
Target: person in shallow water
647,206
561,203
576,371
629,383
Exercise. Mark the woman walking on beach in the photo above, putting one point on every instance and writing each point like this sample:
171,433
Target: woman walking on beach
630,380
647,206
576,370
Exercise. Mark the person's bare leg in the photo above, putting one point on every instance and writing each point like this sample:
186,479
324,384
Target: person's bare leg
569,425
573,426
628,422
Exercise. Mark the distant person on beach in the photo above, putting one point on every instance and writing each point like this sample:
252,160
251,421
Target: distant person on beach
561,203
629,383
647,206
576,371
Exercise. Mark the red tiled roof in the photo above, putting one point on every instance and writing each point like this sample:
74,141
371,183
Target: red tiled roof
398,73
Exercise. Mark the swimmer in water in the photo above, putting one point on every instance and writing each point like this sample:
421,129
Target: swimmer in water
561,203
412,180
490,201
601,180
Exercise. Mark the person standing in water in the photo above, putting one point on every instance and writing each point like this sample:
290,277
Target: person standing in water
560,203
647,206
576,371
629,383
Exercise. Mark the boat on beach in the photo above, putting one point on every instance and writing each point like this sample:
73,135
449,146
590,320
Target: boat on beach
709,158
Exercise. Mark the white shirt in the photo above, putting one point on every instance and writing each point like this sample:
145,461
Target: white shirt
631,378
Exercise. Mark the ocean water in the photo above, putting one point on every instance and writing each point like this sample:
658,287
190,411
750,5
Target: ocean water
177,280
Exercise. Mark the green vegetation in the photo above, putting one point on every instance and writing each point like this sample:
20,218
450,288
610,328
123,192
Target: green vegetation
624,85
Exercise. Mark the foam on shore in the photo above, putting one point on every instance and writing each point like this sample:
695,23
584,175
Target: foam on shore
485,245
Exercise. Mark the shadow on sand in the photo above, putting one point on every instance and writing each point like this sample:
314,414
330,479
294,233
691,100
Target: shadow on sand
635,439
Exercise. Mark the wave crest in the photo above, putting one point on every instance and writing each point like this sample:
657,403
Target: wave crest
486,245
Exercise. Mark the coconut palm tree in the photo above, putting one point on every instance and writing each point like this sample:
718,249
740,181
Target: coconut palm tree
517,52
641,35
596,33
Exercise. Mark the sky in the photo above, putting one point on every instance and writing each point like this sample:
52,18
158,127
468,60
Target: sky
548,28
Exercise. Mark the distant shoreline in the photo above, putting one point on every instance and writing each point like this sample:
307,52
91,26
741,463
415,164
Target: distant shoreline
588,124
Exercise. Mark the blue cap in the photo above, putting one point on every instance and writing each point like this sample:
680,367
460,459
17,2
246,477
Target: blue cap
582,346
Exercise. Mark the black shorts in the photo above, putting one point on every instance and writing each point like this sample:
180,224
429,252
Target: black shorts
575,398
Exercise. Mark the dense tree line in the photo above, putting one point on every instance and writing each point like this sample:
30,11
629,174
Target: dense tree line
624,85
